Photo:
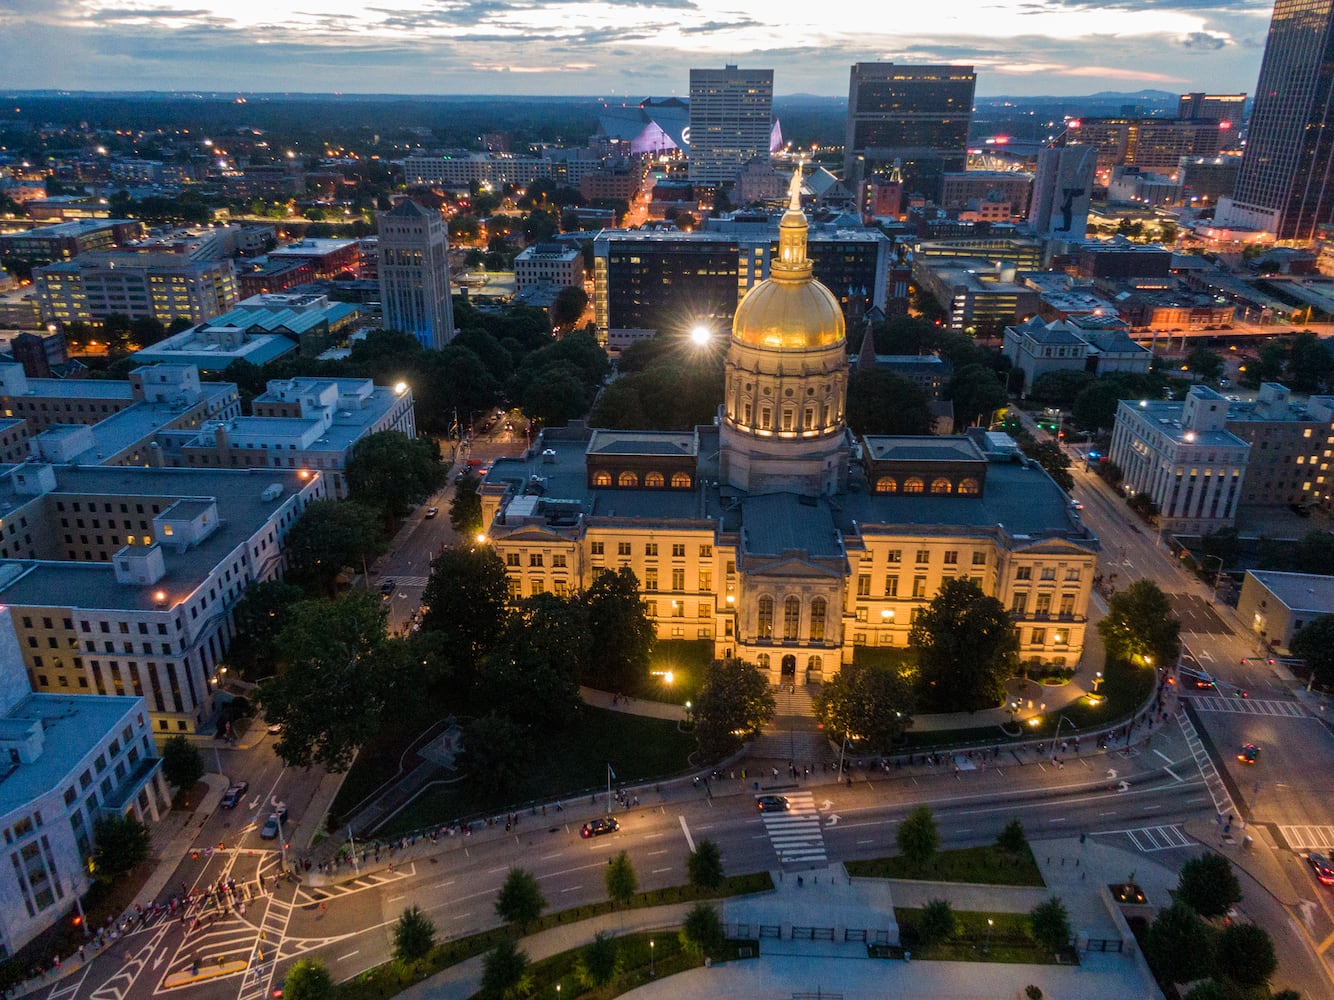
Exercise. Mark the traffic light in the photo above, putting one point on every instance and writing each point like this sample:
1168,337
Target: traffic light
194,855
78,920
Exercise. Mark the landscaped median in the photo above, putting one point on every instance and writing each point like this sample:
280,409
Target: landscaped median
393,977
987,865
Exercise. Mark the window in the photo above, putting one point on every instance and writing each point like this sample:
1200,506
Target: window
1039,637
515,587
1049,573
627,479
1067,608
558,561
1043,604
680,480
952,557
940,485
596,548
923,556
678,609
535,559
602,478
651,609
919,586
979,558
651,550
765,623
706,579
651,578
622,548
678,579
891,586
561,588
706,551
886,484
1019,603
654,479
1072,575
894,556
818,607
864,585
539,587
679,551
703,610
1023,573
791,618
967,488
511,559
914,485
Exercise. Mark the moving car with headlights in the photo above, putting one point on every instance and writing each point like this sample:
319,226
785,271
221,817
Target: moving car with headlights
597,827
1249,753
1324,871
772,803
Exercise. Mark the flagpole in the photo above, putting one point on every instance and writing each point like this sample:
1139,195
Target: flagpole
610,775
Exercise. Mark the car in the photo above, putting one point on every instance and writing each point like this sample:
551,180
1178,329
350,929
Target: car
270,831
387,588
1249,753
772,803
597,827
1076,505
1324,871
432,512
1202,683
275,728
232,797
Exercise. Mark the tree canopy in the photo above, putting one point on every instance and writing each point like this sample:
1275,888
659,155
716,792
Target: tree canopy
966,648
704,865
872,702
392,473
1246,954
307,979
120,843
976,391
260,615
520,900
466,598
414,935
182,765
880,402
619,630
332,534
918,837
1050,923
620,878
1179,945
1209,885
1315,644
1140,623
735,704
465,510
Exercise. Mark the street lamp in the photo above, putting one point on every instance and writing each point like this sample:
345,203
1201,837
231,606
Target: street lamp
1097,681
652,971
986,949
1217,573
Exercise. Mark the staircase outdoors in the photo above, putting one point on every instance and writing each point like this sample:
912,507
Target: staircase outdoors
794,735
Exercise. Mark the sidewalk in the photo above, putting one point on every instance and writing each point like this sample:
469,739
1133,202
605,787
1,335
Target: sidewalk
174,835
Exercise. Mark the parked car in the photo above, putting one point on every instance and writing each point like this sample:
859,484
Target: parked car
232,797
772,803
597,827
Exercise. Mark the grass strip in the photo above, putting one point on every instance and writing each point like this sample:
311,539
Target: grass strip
986,865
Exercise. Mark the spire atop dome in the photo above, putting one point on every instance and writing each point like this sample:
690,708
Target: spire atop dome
792,264
794,190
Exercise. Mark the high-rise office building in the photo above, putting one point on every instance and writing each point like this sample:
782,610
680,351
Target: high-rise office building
731,120
414,274
1062,191
918,115
1213,107
1286,182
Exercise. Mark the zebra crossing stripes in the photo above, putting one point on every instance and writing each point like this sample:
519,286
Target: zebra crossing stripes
410,581
795,833
1213,781
1158,838
1250,706
1308,838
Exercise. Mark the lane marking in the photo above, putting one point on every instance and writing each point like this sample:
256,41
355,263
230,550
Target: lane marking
654,854
690,841
341,958
1173,774
573,888
659,871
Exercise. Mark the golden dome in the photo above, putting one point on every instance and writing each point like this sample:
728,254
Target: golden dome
790,309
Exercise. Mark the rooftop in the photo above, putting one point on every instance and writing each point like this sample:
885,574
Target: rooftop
74,725
75,228
606,442
1299,591
923,448
1164,416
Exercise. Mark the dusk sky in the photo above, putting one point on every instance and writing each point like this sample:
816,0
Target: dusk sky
623,47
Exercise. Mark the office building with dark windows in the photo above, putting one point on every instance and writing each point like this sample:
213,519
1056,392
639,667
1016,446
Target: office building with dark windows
731,121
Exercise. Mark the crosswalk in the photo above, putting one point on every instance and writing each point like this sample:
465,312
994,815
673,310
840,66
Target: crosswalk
795,833
1158,838
370,880
1308,838
1213,781
1250,706
409,581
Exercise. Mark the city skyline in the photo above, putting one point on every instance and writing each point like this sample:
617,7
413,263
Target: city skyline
597,48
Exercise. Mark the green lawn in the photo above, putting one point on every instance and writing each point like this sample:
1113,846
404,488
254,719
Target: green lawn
568,764
688,662
987,865
377,762
1006,940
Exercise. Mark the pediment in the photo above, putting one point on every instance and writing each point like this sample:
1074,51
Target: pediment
535,533
789,567
1053,546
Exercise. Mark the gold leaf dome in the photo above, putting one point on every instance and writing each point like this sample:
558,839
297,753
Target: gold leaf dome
790,309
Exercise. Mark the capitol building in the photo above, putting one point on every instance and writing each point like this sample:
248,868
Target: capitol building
778,535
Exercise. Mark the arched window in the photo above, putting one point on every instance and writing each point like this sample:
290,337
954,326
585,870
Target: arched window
814,664
654,479
791,618
913,485
886,484
602,478
765,626
681,480
967,487
817,619
940,485
627,479
762,661
810,418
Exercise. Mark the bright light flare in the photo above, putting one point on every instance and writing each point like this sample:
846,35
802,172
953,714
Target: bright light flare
700,336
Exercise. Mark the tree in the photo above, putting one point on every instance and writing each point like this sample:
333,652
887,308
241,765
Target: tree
619,630
976,391
1095,406
734,705
259,616
182,765
569,305
872,702
414,935
1246,954
1208,989
622,882
1314,554
917,838
308,979
556,397
966,648
466,598
880,402
498,752
1012,839
1223,543
1315,644
520,900
1179,945
1139,622
1208,885
392,473
504,972
935,923
331,693
1205,363
702,930
704,865
1050,924
600,960
1056,462
121,842
530,673
1310,364
465,510
329,535
1059,388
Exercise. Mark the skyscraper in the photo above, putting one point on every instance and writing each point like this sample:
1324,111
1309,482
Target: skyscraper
414,274
918,115
1062,191
731,119
1286,182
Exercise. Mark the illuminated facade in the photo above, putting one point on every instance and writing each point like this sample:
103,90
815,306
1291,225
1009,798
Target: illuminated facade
731,119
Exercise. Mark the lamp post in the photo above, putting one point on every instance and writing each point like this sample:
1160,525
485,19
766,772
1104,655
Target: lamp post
652,971
1097,681
986,949
1217,573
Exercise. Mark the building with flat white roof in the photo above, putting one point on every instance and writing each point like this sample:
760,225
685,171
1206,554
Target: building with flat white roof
550,264
68,761
1182,456
1276,606
300,423
461,169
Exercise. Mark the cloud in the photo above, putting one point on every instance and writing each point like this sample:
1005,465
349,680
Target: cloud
1205,40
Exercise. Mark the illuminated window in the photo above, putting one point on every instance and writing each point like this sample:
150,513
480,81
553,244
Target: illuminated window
627,479
681,480
914,485
602,478
765,624
654,479
967,487
886,484
940,485
818,608
791,618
